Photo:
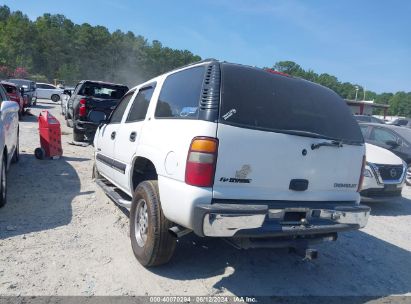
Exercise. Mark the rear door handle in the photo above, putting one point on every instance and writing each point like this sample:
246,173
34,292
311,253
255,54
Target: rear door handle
113,135
133,136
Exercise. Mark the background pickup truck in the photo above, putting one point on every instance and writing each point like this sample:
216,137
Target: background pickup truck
91,102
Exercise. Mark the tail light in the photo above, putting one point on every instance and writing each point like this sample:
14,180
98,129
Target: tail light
361,174
201,162
82,111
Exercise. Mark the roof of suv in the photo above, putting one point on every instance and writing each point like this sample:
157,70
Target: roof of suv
103,82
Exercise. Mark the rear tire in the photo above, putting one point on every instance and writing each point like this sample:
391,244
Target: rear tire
77,136
39,153
151,241
55,98
3,183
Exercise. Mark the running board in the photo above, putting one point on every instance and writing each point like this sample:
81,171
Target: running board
110,191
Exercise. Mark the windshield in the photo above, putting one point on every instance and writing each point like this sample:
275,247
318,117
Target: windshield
256,99
104,91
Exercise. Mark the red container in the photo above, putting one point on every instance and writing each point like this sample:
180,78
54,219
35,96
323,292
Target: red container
50,134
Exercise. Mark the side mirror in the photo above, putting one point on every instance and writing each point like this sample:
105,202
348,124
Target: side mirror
67,92
21,90
393,144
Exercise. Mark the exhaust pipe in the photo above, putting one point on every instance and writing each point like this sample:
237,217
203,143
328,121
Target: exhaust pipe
178,231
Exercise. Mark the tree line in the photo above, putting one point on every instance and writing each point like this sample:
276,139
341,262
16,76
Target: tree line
53,47
400,102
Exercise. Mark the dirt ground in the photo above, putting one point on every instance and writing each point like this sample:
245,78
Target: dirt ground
60,235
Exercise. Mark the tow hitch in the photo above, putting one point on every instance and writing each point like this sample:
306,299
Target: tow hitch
300,246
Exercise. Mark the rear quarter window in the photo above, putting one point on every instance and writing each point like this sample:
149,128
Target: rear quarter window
180,94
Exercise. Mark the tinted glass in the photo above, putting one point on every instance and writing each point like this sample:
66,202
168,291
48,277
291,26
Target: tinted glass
121,107
404,132
139,107
363,118
101,90
382,135
180,94
10,89
47,86
364,131
257,99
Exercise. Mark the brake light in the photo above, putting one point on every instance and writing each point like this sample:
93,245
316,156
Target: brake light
82,111
361,174
201,162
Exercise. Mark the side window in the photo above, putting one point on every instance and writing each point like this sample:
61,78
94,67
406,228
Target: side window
121,107
76,89
382,136
139,108
50,87
40,86
364,131
180,94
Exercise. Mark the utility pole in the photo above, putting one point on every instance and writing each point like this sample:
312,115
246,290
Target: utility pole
364,94
356,92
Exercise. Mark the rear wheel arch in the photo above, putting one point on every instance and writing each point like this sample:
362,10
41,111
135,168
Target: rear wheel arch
142,169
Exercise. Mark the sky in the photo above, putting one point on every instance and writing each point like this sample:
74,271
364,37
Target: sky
364,42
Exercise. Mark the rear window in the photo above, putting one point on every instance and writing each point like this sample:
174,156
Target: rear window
104,91
257,99
180,94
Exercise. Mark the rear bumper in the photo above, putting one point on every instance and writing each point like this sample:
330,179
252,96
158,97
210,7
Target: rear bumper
241,220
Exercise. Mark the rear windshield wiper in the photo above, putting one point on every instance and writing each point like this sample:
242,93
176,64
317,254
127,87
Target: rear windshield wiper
334,143
308,134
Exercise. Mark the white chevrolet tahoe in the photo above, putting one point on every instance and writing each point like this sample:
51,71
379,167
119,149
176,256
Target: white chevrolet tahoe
226,150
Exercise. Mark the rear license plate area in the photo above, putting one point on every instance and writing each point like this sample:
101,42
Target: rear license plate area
294,217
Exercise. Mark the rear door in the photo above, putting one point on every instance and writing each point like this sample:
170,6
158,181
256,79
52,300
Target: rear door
105,141
282,138
129,132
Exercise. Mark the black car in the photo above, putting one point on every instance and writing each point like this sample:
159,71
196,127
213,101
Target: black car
368,118
394,138
90,103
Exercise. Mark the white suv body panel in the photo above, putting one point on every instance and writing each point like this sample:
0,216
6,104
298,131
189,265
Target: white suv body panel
270,160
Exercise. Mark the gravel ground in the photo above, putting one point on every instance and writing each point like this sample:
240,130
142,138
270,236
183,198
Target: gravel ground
60,235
